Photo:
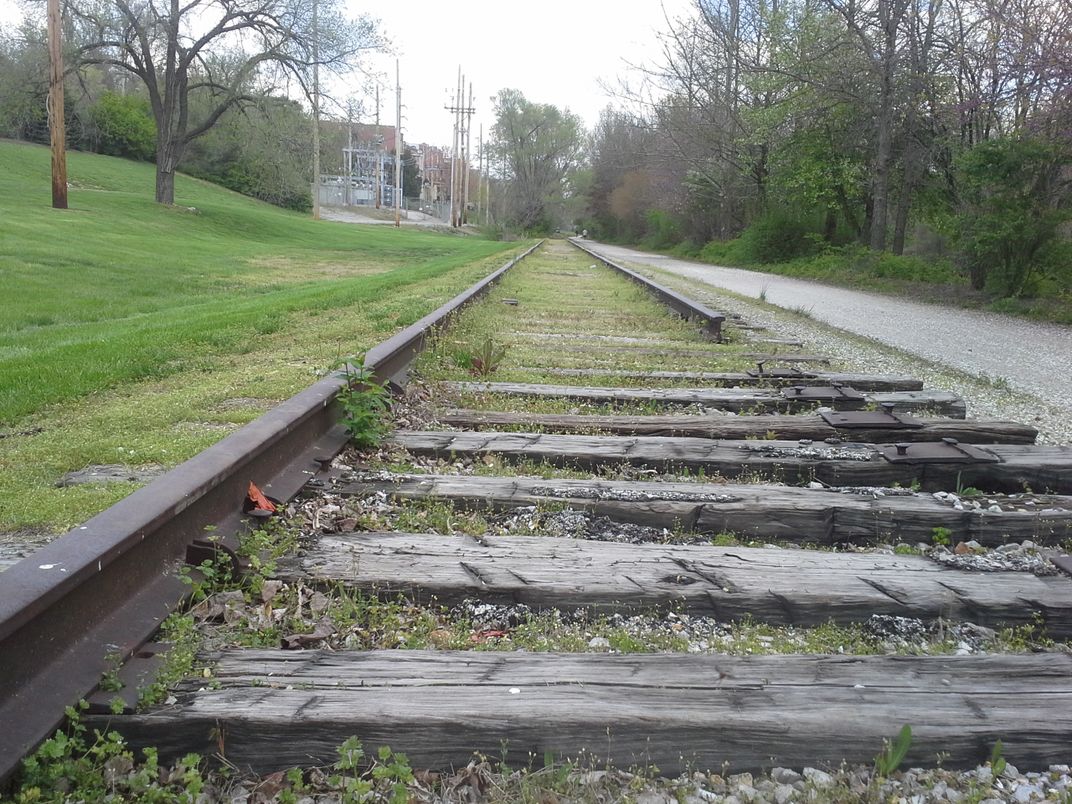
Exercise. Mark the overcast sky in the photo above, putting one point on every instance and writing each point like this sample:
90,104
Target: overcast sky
554,51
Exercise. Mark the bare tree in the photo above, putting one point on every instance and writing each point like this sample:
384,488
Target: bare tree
222,52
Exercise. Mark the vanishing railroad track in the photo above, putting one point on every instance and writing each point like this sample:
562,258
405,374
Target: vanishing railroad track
580,456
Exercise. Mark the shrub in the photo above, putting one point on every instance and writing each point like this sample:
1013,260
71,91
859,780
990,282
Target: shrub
1011,192
125,126
664,230
777,238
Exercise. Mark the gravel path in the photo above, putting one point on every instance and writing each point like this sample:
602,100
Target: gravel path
1029,357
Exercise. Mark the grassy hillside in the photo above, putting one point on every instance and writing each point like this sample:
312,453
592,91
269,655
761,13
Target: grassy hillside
127,326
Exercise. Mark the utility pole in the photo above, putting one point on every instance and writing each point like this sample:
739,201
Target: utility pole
398,146
465,161
377,140
316,114
459,160
454,148
56,125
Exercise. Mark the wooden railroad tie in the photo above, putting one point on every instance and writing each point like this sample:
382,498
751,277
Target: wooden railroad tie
788,513
929,466
734,399
782,587
271,709
786,427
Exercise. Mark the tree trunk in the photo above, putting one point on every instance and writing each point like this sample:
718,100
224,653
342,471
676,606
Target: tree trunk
165,173
830,225
881,186
908,185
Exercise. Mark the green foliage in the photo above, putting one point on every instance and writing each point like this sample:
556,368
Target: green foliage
124,126
260,151
365,403
1011,203
664,230
893,753
941,536
776,237
487,358
389,776
73,765
997,759
541,147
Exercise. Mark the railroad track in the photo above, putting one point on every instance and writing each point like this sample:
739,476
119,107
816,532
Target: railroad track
615,462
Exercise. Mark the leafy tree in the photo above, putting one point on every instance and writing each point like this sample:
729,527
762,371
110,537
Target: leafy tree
260,150
24,84
1013,197
541,146
201,58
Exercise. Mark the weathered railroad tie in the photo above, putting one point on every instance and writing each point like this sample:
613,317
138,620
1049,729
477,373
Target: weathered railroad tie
274,709
782,587
930,466
772,378
865,426
753,511
733,399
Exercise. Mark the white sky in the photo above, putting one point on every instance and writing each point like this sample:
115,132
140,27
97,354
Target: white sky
554,51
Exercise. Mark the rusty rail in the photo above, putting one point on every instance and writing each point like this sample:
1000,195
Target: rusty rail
97,593
682,305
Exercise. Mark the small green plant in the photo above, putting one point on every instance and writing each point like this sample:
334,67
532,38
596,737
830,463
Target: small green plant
997,759
941,536
389,769
75,766
486,359
893,753
364,401
110,680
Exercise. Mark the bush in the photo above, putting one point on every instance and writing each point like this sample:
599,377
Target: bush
664,231
1011,194
124,126
723,252
777,238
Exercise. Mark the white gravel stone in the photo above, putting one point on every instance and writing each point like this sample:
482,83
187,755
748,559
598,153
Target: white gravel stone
1004,367
818,778
785,776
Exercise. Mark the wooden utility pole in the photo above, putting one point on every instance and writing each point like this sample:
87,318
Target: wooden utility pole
459,158
454,147
398,145
56,125
465,161
316,115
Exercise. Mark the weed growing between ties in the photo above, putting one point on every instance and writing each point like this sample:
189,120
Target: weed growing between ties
76,766
364,401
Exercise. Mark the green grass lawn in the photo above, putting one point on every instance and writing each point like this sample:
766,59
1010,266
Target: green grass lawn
129,329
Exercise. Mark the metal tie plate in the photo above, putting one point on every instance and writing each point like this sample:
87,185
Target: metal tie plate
884,418
835,392
948,450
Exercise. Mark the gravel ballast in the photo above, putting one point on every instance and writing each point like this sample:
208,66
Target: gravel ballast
1004,367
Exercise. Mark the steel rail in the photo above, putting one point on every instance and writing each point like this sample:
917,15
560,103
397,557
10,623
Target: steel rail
96,594
682,305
